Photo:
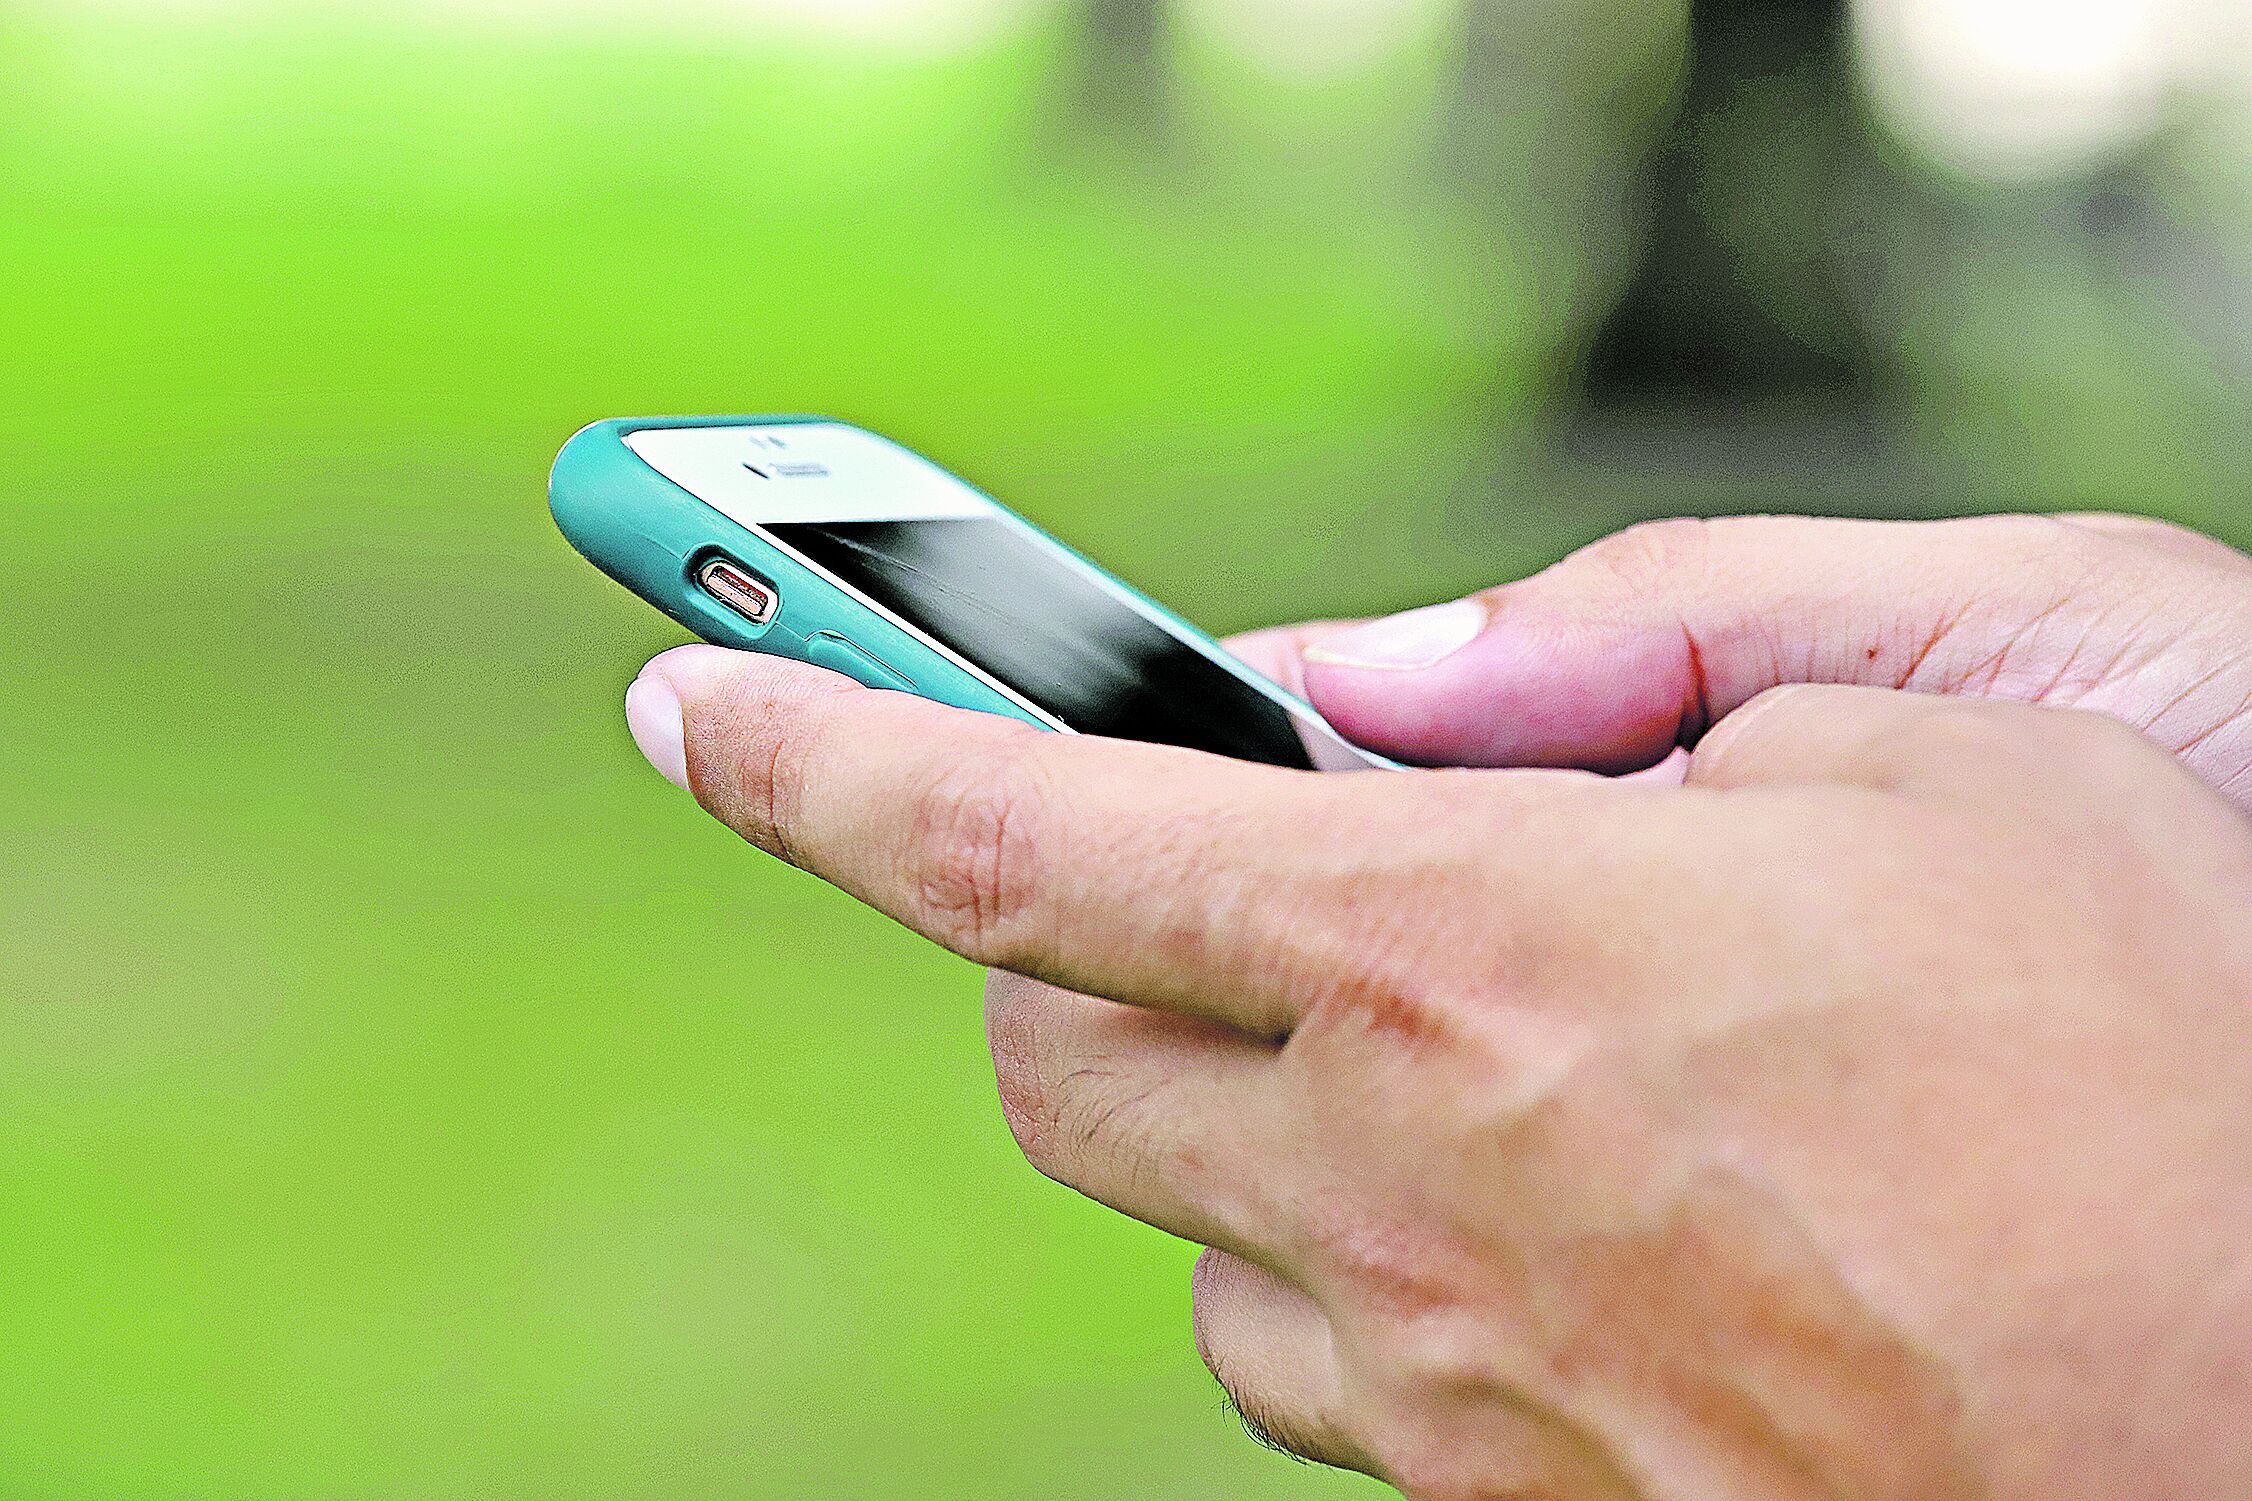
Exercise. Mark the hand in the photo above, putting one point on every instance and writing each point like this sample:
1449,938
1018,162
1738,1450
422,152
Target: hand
1865,1118
1638,643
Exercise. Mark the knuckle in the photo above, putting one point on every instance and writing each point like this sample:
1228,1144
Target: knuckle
2024,529
1398,1269
769,788
1014,1034
1429,1469
2128,521
1033,1127
977,836
1960,730
1074,1110
2024,535
2128,527
1207,1282
2040,560
2100,740
1446,1355
1653,554
1213,1290
1994,733
1370,999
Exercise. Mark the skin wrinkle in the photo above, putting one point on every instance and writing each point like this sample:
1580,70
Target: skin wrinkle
2237,786
2102,678
1025,1096
2181,699
1091,1130
1947,624
2052,691
1985,674
2114,690
2128,636
1135,1153
1140,1150
1700,689
2145,627
2236,719
976,862
1674,561
2091,577
768,798
2092,627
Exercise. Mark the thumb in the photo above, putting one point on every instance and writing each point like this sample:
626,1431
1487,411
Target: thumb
1640,642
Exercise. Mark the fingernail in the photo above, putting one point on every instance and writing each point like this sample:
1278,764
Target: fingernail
1407,642
653,714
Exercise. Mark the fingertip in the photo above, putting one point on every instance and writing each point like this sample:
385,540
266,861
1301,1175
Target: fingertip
695,702
659,726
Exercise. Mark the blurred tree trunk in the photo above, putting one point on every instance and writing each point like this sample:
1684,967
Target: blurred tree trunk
1737,296
1551,114
1118,79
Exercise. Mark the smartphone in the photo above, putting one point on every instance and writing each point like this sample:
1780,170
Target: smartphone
824,542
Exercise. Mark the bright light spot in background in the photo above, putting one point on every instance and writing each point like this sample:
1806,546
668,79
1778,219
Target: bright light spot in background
917,26
913,26
1314,39
2029,88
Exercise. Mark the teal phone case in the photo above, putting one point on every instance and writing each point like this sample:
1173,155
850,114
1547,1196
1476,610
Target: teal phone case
652,536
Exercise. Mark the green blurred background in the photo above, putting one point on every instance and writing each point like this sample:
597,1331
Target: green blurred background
403,1093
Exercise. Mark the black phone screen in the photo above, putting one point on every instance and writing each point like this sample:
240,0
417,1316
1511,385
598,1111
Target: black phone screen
1028,615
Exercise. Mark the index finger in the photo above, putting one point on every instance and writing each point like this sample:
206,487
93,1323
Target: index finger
1146,873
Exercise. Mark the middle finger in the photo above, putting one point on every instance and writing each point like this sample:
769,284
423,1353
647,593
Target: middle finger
1166,1118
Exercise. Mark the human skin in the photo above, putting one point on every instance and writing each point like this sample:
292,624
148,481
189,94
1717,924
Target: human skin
1859,1116
1638,643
